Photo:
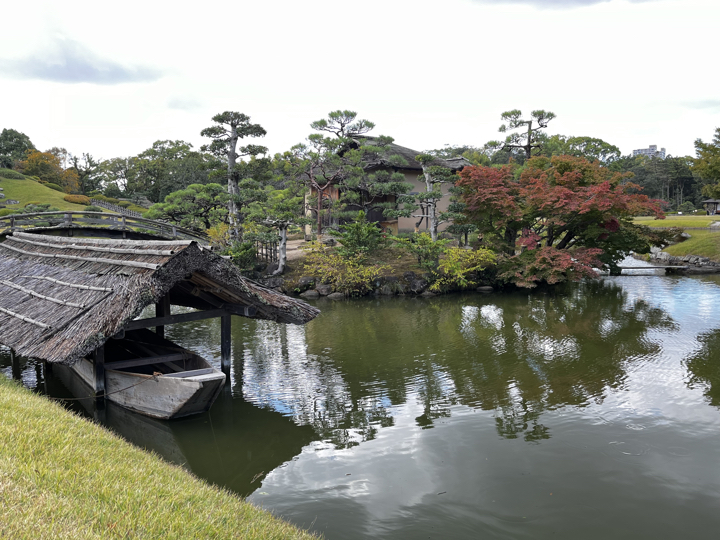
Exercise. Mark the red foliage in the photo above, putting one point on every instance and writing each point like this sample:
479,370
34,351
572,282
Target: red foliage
556,203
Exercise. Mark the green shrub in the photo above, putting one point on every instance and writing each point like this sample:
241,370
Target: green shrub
124,204
10,174
106,199
33,207
112,190
33,203
54,186
136,208
242,254
94,193
346,274
421,246
459,266
77,199
92,208
7,211
359,237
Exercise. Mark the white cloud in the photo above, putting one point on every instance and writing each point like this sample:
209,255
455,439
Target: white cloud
68,61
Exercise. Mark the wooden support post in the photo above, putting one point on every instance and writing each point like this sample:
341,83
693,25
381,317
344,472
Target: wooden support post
99,368
162,309
15,365
226,345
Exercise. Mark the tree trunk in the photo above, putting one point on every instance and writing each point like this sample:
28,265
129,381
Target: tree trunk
432,206
510,238
319,211
233,187
282,250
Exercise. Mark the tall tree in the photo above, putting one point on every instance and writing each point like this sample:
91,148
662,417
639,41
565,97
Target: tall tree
88,172
13,147
231,127
425,203
48,167
707,164
525,140
324,162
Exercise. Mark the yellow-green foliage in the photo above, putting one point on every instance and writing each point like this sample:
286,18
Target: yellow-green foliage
28,190
347,275
77,199
65,477
458,265
701,243
219,235
53,186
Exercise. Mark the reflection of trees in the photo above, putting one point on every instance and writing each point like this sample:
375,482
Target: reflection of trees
517,355
704,367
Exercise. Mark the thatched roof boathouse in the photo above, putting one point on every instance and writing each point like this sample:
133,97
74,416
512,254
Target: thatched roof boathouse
62,299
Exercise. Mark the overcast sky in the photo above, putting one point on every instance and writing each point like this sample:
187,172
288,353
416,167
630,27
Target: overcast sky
110,79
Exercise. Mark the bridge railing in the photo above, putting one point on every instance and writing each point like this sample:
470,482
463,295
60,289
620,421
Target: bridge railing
120,222
115,208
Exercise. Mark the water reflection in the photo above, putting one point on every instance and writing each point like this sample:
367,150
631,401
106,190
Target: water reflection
704,367
526,353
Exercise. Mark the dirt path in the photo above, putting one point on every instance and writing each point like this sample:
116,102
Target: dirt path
293,250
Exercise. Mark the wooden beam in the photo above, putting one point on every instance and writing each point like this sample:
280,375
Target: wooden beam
239,309
99,369
162,309
235,309
147,360
225,344
15,365
173,319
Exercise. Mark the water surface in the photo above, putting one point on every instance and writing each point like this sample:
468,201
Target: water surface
587,411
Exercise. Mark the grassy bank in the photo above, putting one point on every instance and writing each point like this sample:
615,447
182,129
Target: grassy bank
28,190
64,477
701,243
677,221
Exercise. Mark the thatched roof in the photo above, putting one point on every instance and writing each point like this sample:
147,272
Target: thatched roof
61,298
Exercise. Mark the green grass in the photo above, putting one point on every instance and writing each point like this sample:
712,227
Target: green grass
701,243
677,221
65,477
29,190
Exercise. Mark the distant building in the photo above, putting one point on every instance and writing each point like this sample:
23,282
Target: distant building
650,152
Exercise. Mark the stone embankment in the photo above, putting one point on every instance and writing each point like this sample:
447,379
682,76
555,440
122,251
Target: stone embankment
695,264
409,283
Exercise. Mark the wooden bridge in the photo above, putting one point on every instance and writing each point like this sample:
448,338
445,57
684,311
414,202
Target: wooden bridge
111,224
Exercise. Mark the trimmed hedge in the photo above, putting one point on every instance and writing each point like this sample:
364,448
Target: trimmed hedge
12,175
77,199
7,211
54,186
110,200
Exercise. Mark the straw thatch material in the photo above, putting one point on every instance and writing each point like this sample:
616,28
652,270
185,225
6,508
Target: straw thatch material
61,298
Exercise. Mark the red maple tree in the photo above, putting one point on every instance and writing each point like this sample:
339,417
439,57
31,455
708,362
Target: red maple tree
557,218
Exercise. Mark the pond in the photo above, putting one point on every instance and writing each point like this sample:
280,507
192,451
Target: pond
588,411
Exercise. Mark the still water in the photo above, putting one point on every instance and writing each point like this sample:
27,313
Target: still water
588,411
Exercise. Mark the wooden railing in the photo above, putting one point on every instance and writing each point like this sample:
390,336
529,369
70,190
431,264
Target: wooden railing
267,251
115,208
100,220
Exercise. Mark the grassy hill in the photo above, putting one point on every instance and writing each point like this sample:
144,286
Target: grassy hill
28,190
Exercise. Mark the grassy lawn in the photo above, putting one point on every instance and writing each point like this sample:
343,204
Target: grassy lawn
28,190
702,244
677,221
65,477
